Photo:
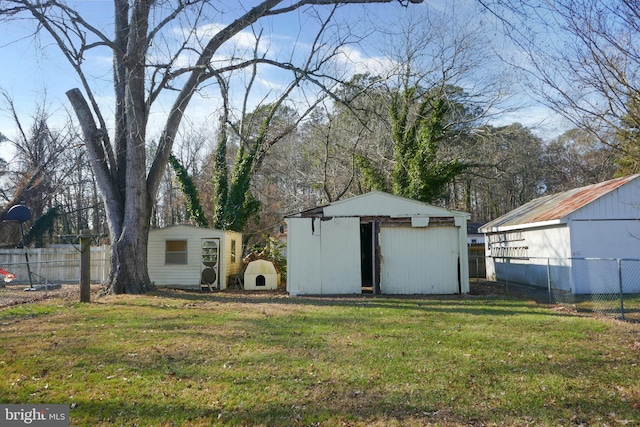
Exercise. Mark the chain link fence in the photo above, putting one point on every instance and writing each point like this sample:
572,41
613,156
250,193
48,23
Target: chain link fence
604,285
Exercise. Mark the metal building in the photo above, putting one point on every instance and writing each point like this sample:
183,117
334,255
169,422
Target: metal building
568,241
377,243
186,256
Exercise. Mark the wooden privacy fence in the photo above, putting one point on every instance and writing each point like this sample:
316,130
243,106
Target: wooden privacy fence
477,264
58,264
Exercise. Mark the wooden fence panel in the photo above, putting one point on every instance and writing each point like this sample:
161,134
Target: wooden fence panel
59,264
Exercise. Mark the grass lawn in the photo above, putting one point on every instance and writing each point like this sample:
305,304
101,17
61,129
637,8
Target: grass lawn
230,358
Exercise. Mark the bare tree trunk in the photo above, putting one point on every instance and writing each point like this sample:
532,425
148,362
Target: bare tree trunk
128,223
129,272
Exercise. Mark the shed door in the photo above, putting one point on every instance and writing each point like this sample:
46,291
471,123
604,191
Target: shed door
419,260
210,265
340,252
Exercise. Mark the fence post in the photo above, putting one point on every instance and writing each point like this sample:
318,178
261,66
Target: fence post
506,275
85,266
621,289
549,281
26,257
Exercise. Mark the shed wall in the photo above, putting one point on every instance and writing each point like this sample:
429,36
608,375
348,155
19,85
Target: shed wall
419,260
230,267
603,242
323,256
340,256
188,275
303,256
556,254
324,251
546,251
605,239
621,203
383,204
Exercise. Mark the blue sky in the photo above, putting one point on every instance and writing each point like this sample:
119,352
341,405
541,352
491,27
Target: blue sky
33,72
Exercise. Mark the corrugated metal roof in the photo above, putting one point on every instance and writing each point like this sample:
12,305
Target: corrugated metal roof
556,206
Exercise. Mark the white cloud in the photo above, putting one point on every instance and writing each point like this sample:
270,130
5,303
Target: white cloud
543,122
244,41
354,62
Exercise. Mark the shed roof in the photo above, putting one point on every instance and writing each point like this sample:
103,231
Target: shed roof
186,228
260,266
377,203
555,207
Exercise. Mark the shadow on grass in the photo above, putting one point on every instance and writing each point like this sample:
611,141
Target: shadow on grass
482,305
357,409
137,413
89,413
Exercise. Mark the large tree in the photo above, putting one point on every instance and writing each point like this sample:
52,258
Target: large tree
45,171
508,172
443,58
575,159
144,70
581,58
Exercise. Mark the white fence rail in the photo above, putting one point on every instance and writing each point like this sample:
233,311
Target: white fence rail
59,264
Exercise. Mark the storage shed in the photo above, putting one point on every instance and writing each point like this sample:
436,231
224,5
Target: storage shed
185,256
571,241
377,243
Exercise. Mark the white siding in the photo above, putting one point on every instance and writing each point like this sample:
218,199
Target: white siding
341,256
553,242
419,260
323,257
605,239
547,253
188,275
609,240
303,257
621,203
608,227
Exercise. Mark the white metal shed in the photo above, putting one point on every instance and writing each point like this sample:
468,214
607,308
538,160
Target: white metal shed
186,256
378,243
570,241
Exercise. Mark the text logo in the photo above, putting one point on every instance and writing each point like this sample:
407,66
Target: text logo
34,415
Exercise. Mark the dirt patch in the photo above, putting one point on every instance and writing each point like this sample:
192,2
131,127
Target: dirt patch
486,287
14,294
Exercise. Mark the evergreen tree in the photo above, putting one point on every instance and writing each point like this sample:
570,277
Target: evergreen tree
220,179
190,192
418,173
